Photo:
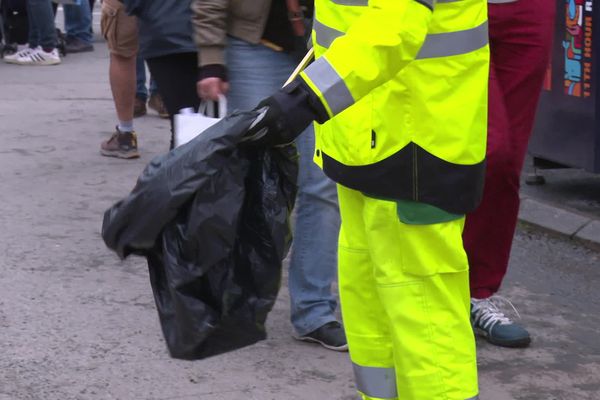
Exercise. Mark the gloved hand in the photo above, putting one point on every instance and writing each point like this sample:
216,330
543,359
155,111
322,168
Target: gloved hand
285,115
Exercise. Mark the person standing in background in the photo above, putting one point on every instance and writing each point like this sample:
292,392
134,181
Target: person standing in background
248,52
166,43
43,38
120,32
78,27
521,34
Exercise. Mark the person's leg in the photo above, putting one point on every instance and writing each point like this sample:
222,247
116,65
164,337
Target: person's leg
34,34
140,78
155,101
153,86
255,72
365,321
141,92
489,229
78,27
313,254
43,39
176,77
41,19
521,77
515,85
21,50
122,84
92,3
404,291
120,32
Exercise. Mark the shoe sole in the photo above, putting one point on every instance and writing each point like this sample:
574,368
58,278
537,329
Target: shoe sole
312,340
514,344
45,64
115,154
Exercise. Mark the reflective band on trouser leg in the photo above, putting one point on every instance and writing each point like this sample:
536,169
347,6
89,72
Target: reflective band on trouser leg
330,85
435,45
454,43
376,382
359,3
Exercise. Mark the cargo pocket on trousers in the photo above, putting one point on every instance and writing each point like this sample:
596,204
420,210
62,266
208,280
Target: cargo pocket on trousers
433,249
108,24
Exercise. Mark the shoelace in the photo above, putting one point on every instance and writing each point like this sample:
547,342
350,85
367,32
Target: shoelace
487,313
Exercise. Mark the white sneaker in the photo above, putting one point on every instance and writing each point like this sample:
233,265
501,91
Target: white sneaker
40,57
21,52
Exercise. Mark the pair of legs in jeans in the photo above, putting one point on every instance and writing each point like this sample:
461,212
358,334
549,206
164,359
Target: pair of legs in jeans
78,22
255,72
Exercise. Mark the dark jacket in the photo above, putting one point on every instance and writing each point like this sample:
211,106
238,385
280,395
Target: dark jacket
165,26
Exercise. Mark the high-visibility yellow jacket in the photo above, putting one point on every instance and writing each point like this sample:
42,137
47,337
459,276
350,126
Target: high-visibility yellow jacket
405,82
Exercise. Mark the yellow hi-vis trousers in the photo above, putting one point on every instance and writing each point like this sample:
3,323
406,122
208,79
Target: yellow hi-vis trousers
404,292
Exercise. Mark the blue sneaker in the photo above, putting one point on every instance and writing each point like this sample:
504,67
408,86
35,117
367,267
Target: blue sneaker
488,321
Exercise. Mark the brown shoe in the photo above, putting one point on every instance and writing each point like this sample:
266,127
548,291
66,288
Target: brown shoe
121,145
139,107
157,105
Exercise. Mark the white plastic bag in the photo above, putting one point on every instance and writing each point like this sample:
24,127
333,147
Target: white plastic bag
189,124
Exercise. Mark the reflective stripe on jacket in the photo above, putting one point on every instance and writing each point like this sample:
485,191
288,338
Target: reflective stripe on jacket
406,84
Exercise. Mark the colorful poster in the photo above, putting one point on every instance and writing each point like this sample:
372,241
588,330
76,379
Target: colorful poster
578,48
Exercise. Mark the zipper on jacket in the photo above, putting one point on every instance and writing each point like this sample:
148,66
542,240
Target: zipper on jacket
373,139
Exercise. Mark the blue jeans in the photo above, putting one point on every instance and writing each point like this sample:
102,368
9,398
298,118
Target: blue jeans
78,21
42,31
255,72
140,78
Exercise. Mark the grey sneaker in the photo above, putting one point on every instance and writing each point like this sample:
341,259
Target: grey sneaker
488,321
331,336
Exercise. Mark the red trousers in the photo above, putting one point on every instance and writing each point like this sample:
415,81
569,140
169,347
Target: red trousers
520,40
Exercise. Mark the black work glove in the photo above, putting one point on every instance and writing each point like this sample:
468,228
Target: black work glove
285,115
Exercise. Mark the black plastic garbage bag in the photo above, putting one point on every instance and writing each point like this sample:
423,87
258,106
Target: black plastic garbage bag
212,219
